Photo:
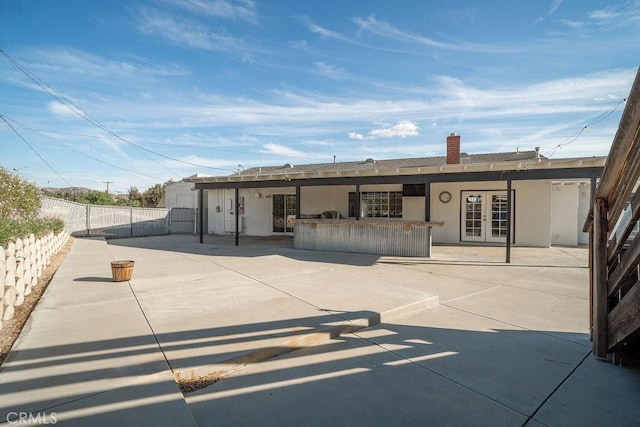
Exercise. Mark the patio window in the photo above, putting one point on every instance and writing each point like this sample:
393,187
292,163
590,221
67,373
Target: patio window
377,204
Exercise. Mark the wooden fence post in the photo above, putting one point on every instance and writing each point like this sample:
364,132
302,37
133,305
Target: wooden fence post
600,227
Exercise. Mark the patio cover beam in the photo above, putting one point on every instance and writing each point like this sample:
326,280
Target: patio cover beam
532,174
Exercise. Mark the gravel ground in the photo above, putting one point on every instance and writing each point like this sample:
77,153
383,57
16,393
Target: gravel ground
11,328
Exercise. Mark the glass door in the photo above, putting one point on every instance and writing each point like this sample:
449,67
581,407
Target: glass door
484,216
498,213
284,212
473,216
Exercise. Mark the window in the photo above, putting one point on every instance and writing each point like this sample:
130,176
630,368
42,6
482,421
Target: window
377,204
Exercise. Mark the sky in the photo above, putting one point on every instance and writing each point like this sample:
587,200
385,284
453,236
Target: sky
139,92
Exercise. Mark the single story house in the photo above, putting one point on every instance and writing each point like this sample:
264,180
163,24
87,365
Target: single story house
481,198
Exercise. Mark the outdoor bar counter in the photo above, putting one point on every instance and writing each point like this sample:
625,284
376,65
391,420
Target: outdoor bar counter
368,236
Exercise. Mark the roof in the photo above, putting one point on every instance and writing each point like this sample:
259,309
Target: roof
394,170
387,164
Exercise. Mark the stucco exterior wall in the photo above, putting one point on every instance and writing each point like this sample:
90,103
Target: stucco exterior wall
532,211
584,204
532,215
413,208
256,213
564,214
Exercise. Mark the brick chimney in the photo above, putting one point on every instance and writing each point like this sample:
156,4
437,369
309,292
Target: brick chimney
453,149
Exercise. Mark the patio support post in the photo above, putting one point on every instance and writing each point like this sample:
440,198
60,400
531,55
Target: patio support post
357,202
600,226
201,214
297,202
237,213
508,250
591,283
427,201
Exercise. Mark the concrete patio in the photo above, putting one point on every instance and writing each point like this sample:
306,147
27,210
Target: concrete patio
314,338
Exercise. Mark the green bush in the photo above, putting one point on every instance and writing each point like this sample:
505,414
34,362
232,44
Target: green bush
11,229
19,204
18,198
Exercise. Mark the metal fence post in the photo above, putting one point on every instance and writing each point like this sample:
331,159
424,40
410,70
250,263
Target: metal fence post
88,221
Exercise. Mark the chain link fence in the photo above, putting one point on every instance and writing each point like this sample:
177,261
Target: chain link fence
118,221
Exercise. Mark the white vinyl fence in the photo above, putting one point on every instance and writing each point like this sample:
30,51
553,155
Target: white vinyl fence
108,221
22,262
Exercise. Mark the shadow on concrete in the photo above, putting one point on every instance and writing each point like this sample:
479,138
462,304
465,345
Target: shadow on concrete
93,279
413,262
392,373
251,246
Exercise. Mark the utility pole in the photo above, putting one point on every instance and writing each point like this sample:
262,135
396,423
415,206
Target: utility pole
108,182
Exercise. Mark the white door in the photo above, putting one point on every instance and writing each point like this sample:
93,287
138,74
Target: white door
484,216
229,212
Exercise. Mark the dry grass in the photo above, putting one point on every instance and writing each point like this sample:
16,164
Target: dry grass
11,328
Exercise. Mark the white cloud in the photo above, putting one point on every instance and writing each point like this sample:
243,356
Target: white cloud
322,31
401,130
326,33
604,14
281,150
300,45
555,4
215,164
330,71
184,32
608,18
385,29
235,10
291,114
65,61
60,109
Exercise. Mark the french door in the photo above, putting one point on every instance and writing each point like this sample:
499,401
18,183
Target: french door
284,212
484,216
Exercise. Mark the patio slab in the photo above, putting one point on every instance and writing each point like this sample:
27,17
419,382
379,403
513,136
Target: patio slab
507,345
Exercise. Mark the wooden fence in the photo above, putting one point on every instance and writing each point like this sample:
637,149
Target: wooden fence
614,244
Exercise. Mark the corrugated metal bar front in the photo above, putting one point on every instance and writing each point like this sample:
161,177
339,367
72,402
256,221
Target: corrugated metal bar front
380,237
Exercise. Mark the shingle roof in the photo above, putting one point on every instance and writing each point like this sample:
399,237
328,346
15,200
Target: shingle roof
370,164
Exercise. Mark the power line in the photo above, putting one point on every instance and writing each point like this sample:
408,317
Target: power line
78,111
33,33
71,106
34,150
168,144
67,147
594,121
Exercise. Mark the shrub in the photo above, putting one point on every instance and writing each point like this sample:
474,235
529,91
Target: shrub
19,204
18,198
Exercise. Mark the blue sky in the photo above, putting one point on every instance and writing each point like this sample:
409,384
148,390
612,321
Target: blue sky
140,92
